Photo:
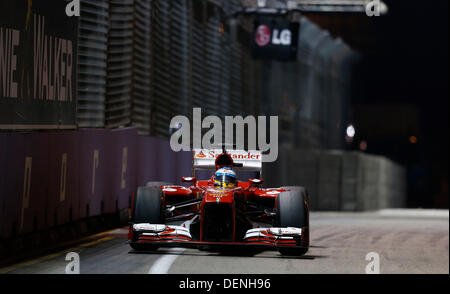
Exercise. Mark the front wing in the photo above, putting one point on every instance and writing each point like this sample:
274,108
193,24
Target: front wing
177,236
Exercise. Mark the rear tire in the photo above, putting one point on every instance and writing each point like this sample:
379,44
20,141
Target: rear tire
293,212
147,209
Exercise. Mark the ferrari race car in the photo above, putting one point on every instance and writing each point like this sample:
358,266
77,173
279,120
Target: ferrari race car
221,212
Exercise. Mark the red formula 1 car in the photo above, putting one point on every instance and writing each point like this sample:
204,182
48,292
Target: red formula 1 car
212,217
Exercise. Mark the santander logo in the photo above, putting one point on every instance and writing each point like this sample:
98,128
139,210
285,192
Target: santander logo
262,35
235,156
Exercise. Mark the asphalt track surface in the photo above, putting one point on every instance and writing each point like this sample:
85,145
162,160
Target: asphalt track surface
411,242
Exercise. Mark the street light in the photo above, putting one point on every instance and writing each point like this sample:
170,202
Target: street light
351,131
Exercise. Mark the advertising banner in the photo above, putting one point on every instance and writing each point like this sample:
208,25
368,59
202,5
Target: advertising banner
38,49
275,39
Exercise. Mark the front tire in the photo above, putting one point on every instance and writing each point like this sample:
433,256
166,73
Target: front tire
148,206
293,211
147,209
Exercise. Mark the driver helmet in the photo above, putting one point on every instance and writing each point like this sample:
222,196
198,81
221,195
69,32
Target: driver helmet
225,177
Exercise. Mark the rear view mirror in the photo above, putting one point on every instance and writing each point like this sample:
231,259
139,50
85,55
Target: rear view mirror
256,182
192,180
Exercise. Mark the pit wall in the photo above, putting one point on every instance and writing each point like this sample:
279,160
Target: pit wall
55,178
340,180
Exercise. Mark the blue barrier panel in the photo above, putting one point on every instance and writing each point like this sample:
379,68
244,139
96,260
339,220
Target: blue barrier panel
63,201
184,164
27,176
3,194
94,170
166,163
150,160
14,180
49,179
35,216
144,155
123,168
157,162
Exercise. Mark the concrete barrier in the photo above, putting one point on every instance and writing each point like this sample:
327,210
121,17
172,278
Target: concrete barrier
55,178
340,180
329,180
349,180
303,167
367,184
392,191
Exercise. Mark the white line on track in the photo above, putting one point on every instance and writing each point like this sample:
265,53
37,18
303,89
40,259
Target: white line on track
163,264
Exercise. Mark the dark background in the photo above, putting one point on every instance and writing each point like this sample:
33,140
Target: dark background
402,90
410,69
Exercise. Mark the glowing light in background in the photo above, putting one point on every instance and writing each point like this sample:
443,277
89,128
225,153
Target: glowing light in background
413,139
363,145
351,131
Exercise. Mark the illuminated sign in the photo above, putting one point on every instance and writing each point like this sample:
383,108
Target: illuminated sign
275,39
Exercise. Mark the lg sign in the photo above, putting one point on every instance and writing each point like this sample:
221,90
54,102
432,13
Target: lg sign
275,39
278,37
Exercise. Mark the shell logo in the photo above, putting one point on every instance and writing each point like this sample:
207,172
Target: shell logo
200,155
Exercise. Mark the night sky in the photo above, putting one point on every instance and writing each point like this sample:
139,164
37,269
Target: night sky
410,67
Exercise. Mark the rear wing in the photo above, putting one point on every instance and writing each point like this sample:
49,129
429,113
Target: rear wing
244,160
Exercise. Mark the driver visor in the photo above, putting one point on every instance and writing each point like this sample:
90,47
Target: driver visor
225,179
